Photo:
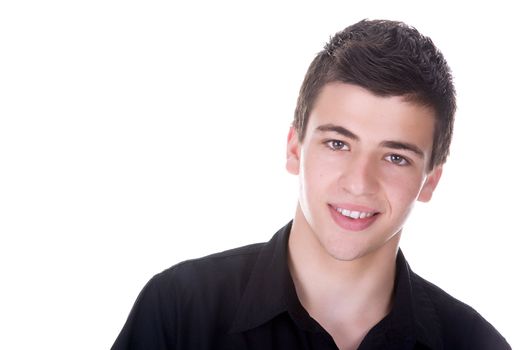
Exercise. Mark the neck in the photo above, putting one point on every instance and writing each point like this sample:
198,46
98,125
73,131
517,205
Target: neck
343,291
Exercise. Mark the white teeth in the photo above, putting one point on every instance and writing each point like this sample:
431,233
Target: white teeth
354,214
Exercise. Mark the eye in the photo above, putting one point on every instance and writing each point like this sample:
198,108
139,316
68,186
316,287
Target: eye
397,160
337,145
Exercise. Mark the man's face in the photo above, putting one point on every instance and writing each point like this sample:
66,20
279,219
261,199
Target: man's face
361,166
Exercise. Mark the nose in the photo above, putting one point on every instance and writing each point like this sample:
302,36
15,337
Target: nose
360,176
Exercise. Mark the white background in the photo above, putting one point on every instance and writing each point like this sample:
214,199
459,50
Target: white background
136,134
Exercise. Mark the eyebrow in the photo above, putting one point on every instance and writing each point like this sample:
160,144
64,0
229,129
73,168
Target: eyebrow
388,144
403,146
338,129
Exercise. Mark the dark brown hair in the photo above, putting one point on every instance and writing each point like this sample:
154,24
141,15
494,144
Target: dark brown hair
389,59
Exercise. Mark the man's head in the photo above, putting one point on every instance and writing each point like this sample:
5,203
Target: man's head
388,59
371,132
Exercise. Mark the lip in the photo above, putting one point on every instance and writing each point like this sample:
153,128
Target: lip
353,207
348,224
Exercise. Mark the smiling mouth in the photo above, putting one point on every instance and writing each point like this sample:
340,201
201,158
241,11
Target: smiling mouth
353,214
353,220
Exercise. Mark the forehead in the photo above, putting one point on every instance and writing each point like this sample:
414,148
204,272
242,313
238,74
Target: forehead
371,116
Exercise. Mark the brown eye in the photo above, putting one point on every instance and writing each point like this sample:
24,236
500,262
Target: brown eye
337,145
397,159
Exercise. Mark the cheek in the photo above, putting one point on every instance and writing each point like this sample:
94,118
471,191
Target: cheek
316,183
319,173
402,187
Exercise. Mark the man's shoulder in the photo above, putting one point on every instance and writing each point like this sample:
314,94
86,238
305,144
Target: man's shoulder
198,296
457,320
443,302
230,268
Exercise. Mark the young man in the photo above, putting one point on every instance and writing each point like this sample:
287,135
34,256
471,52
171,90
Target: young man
371,132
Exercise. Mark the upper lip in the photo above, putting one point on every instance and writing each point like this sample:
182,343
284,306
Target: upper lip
354,207
355,212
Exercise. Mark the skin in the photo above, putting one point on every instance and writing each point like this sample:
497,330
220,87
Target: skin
364,153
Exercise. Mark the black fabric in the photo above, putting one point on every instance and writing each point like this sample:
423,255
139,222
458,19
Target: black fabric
245,299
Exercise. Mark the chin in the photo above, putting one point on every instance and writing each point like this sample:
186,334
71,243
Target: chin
349,254
346,257
358,250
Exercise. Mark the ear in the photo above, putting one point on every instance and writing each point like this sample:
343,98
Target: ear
430,184
292,152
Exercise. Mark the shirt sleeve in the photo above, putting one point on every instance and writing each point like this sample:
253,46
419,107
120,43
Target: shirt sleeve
151,322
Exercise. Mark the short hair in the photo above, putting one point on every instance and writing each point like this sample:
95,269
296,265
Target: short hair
388,58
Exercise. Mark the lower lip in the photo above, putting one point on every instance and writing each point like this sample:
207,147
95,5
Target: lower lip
351,224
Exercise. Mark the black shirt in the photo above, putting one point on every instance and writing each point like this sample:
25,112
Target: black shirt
245,299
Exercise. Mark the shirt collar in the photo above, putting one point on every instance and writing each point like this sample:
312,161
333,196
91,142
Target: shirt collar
413,315
270,291
269,285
